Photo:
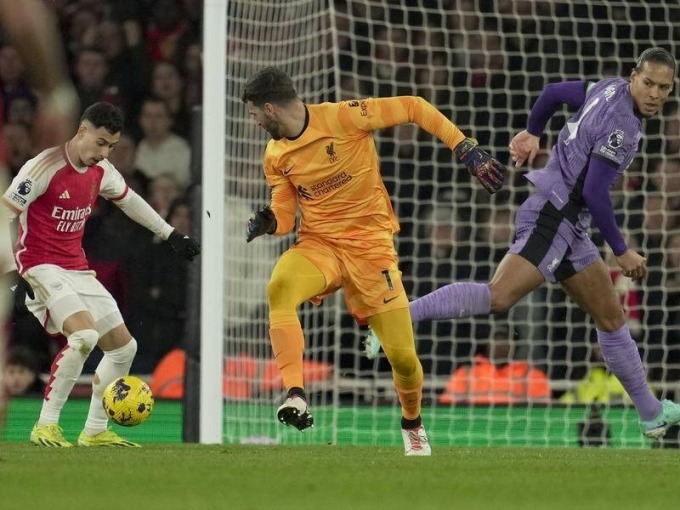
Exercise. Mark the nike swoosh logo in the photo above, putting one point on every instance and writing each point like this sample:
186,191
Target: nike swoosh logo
286,172
385,300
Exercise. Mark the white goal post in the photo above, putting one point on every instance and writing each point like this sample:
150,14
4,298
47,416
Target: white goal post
212,217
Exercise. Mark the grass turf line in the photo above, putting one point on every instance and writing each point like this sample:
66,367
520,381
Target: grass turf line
300,477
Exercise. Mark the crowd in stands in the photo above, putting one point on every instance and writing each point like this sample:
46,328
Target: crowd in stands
483,64
145,56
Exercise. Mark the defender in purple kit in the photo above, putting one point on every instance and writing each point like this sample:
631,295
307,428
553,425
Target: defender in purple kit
552,243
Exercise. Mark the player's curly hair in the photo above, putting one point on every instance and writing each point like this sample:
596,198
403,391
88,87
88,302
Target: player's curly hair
269,85
104,115
656,55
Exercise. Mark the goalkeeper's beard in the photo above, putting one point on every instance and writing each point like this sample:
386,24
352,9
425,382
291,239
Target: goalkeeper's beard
274,129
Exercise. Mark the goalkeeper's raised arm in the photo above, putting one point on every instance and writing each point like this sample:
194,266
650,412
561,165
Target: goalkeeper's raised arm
380,113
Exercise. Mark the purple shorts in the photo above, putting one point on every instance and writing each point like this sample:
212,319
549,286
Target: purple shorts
556,242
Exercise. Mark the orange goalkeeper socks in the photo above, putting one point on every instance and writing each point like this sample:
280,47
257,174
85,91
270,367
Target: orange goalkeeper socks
410,400
288,344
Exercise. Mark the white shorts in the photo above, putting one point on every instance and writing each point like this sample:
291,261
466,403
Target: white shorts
60,293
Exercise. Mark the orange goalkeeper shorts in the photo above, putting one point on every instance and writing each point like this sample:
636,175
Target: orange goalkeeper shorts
366,270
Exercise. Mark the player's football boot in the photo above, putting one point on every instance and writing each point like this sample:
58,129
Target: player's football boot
371,344
49,435
106,438
295,411
415,442
669,415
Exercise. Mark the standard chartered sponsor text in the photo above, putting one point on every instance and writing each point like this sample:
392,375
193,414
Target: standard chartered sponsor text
335,182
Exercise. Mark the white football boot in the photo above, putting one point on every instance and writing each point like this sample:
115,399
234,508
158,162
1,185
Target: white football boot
295,411
415,442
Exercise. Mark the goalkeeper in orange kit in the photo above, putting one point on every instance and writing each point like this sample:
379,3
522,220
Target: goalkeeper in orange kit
323,159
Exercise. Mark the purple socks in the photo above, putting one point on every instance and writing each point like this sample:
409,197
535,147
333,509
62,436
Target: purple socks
452,301
623,360
618,347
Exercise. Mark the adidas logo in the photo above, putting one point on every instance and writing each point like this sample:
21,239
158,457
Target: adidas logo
65,194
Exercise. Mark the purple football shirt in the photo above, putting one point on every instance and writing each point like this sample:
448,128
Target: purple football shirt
605,127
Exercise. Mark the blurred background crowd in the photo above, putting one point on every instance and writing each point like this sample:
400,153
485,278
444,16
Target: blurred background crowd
481,62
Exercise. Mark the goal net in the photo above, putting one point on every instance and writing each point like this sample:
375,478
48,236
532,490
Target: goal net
482,64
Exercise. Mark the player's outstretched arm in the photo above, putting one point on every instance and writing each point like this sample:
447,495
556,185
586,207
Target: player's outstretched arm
392,111
260,223
138,210
488,171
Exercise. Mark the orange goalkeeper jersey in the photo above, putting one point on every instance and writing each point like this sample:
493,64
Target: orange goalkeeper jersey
332,170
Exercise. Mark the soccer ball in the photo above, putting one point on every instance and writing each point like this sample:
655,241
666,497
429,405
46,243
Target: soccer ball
128,401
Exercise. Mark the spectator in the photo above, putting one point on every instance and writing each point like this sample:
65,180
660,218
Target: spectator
166,28
123,48
666,177
673,254
163,190
669,283
19,146
21,375
671,130
191,66
179,216
81,25
495,377
158,310
161,151
12,77
659,218
124,158
91,75
21,110
673,281
168,85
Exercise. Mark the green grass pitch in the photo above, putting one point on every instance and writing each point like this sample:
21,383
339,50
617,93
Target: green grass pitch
177,476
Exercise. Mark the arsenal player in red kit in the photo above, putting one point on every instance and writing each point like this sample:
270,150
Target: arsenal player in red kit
53,196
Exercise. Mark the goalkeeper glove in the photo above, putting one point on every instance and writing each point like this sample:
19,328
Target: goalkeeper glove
20,289
184,245
260,223
488,171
